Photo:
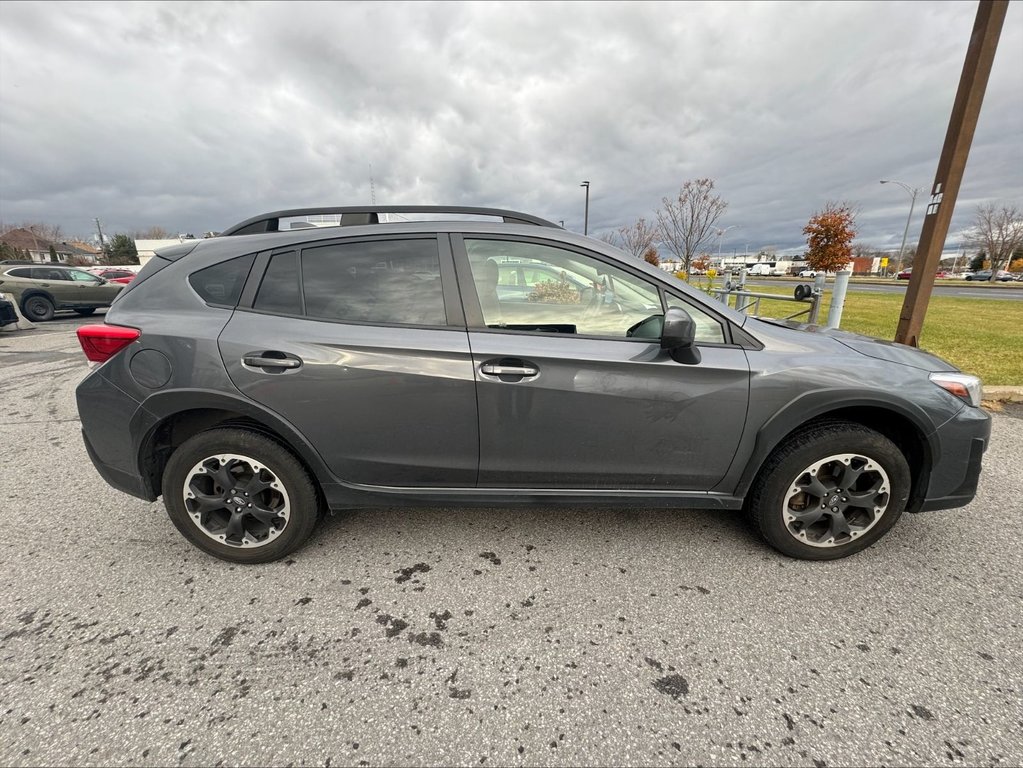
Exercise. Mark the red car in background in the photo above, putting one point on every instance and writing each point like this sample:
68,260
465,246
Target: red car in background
907,273
123,276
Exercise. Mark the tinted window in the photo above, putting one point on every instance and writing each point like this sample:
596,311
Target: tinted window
49,273
278,292
222,283
23,272
389,281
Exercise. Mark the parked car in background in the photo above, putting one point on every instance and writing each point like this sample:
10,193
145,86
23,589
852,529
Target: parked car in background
905,274
289,372
43,289
985,276
113,275
809,273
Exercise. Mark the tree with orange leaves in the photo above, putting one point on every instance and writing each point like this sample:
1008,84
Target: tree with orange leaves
829,236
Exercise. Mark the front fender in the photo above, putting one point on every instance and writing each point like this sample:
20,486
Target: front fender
821,403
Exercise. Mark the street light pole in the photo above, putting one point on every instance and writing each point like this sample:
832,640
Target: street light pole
586,215
721,234
912,193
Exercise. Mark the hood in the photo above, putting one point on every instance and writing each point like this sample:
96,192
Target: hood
889,351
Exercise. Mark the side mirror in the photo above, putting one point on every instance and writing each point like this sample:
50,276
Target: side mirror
679,336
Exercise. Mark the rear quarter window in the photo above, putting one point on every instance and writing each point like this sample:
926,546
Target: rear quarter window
222,283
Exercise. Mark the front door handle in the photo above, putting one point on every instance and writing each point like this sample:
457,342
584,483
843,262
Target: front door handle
508,370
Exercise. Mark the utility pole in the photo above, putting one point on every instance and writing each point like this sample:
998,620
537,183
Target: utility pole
102,242
961,126
586,215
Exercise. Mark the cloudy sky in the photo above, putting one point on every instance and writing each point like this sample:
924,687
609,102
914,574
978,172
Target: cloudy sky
195,116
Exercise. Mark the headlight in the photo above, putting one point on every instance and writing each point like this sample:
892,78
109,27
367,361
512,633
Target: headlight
967,388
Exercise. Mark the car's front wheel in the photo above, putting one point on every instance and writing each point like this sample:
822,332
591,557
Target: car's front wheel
38,308
830,491
239,496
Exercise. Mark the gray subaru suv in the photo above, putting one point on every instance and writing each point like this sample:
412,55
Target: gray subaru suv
261,378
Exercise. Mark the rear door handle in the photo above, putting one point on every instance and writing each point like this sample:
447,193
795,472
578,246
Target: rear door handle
271,360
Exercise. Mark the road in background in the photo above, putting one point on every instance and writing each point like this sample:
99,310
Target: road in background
488,637
1010,293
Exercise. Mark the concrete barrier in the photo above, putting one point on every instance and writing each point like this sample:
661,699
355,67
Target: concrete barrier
22,324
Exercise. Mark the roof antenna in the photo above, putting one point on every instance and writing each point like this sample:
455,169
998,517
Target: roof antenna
372,188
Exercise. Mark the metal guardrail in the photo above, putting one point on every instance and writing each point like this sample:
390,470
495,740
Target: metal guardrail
745,301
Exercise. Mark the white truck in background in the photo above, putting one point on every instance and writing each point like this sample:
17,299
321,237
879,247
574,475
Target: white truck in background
765,270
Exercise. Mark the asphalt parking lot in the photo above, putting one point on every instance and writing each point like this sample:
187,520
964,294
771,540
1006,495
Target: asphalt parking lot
488,637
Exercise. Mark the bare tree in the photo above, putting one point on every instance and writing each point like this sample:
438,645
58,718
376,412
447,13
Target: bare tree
998,231
153,233
686,223
51,232
637,239
610,237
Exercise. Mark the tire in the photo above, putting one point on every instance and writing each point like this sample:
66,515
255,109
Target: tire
829,491
86,312
37,309
228,523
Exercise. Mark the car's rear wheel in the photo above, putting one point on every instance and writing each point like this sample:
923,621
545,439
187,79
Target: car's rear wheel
830,491
239,496
86,312
37,308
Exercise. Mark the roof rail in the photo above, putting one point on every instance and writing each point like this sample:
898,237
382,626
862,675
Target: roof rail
356,215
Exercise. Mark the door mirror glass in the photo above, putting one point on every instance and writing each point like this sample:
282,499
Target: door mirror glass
679,336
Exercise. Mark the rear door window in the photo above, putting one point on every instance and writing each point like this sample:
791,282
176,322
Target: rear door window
381,282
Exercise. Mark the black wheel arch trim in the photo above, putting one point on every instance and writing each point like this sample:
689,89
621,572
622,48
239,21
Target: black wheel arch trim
159,407
812,406
32,293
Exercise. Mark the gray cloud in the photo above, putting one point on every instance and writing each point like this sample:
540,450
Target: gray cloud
194,116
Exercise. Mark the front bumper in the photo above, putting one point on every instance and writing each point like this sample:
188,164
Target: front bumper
954,476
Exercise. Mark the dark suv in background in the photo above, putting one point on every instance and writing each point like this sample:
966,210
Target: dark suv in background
259,378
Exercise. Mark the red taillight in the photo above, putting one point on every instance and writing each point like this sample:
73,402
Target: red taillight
101,342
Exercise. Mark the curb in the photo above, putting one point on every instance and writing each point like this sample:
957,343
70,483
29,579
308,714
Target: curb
1003,394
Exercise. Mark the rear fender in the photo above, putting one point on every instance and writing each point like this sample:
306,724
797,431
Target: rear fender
161,407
